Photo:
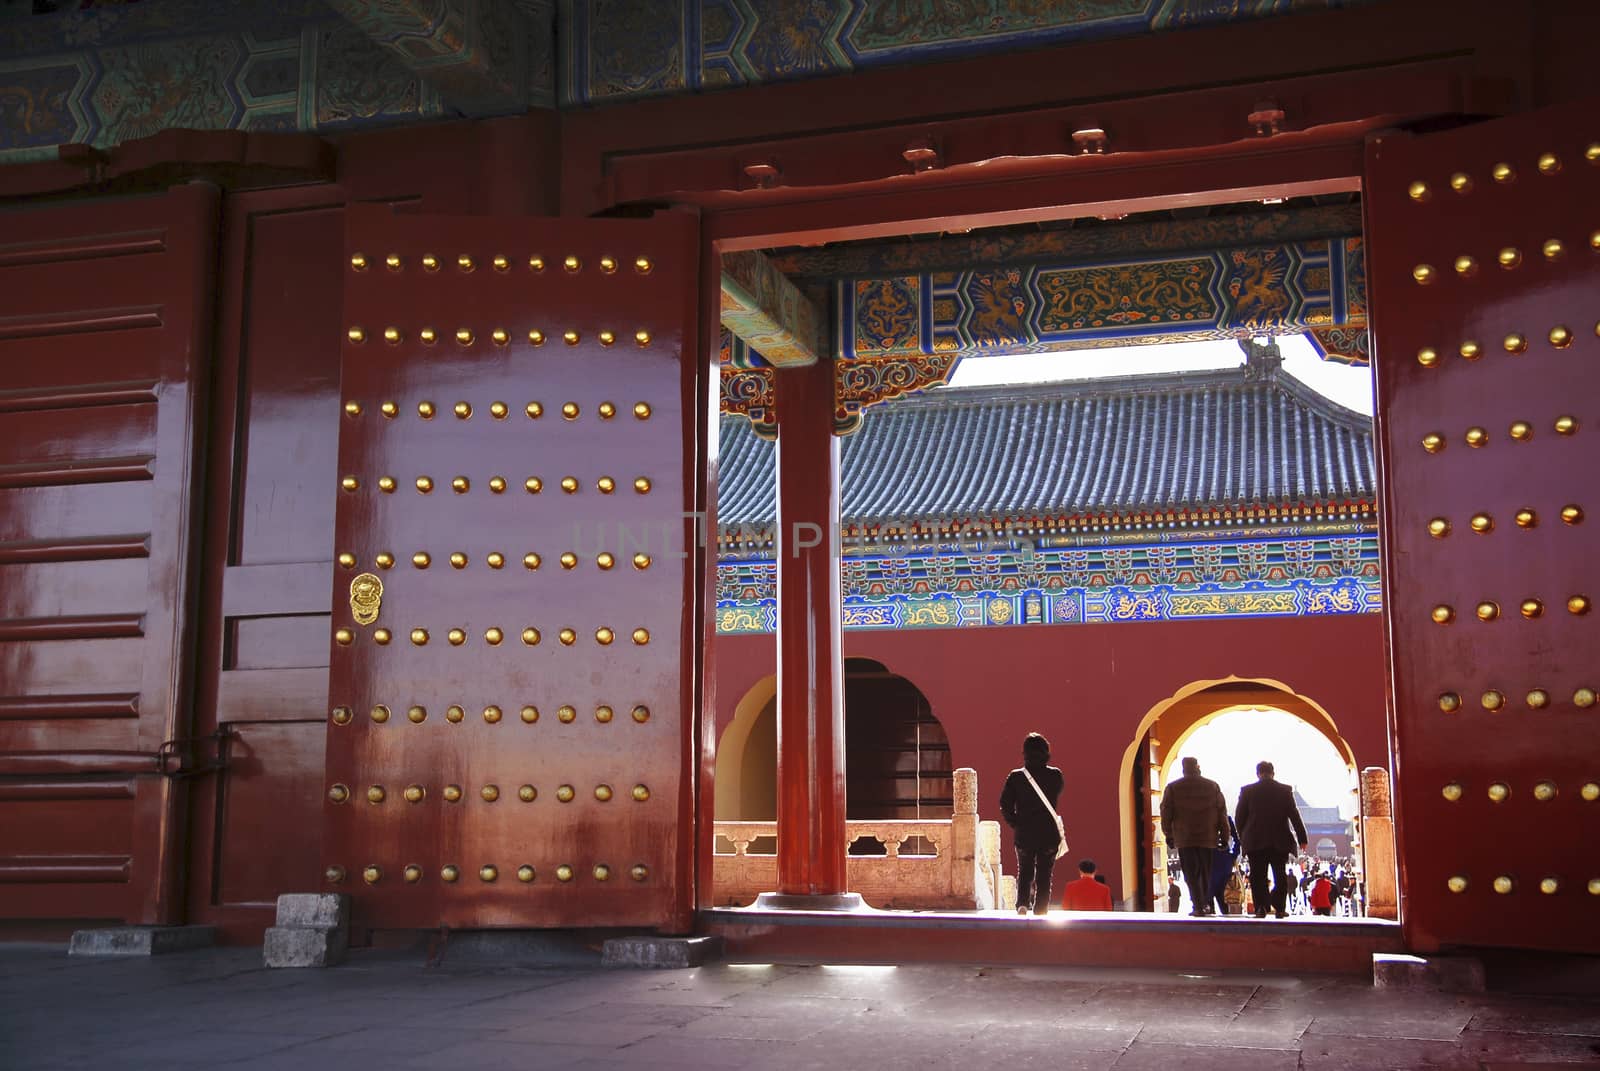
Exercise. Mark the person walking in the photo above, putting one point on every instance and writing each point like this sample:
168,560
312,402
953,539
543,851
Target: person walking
1088,893
1194,816
1269,828
1027,803
1222,861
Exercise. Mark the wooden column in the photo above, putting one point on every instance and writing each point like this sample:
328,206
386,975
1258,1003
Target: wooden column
811,805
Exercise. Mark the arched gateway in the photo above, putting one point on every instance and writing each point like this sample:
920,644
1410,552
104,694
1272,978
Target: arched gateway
1149,761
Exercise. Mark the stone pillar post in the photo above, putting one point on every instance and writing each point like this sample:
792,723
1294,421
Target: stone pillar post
811,804
993,859
1377,845
964,861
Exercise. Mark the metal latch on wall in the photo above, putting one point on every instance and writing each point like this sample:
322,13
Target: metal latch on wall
173,756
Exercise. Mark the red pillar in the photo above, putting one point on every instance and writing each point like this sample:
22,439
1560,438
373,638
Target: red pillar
811,814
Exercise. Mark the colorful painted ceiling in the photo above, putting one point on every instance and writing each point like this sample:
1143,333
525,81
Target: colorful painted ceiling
1032,307
904,311
1234,446
101,72
615,49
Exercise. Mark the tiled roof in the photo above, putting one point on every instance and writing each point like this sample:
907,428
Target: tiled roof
1073,449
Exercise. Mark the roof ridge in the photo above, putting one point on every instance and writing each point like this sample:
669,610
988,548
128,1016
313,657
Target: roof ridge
1324,406
1129,385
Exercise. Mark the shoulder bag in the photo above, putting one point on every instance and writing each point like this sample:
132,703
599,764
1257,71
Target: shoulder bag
1061,848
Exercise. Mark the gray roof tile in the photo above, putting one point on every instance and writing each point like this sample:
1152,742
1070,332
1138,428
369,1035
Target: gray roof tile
1069,449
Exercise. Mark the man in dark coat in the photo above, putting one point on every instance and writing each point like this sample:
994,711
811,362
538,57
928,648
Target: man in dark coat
1033,829
1194,819
1269,828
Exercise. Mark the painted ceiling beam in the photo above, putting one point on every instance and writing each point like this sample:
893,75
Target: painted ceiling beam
1079,243
768,312
484,57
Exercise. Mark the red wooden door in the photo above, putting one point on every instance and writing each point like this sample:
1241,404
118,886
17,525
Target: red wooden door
1485,246
105,321
262,649
512,719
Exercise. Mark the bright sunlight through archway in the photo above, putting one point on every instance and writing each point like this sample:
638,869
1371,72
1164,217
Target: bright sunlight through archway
1230,745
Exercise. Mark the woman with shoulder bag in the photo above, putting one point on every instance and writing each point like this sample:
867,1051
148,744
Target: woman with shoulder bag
1028,805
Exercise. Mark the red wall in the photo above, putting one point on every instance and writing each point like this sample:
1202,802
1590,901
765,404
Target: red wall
1087,687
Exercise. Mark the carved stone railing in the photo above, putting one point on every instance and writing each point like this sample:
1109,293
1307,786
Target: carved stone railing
927,865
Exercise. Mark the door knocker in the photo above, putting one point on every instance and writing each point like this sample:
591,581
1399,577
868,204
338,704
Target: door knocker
366,598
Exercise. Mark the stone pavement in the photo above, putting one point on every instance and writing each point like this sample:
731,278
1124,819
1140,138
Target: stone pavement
221,1008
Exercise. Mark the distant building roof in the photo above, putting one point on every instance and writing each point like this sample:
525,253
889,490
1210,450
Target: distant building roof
1326,819
1118,446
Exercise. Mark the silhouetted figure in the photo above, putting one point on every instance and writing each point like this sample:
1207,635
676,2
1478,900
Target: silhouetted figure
1194,818
1088,893
1033,826
1269,828
1222,861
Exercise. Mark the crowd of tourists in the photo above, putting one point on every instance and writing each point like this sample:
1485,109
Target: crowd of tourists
1314,886
1265,832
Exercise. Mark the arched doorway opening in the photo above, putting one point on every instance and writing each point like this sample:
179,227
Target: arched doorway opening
746,785
1182,724
1229,743
897,755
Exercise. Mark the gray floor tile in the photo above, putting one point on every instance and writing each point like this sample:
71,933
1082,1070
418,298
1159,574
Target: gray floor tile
1146,1056
222,1010
1507,1048
1329,1053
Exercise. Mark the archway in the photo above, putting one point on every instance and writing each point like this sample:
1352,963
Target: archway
750,739
1229,742
1159,742
897,755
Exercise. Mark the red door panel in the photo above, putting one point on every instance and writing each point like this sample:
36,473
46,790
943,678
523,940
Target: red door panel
100,432
1485,247
263,651
105,323
74,523
537,711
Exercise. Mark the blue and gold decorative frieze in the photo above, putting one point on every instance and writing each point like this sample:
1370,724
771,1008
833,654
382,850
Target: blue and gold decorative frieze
1081,242
627,48
1088,585
107,74
1018,308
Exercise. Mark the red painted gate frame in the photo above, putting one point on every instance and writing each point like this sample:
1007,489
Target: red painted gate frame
846,159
